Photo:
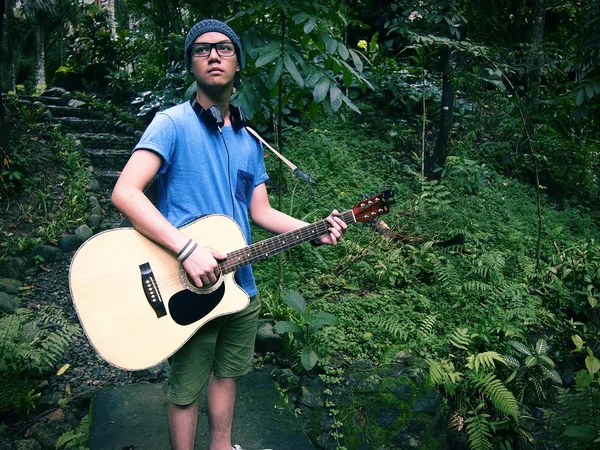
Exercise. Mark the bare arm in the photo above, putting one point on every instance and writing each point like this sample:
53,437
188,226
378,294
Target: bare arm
129,198
275,221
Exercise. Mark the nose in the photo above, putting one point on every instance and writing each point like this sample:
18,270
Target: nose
213,54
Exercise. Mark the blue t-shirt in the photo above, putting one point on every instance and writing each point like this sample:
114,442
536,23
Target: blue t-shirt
203,175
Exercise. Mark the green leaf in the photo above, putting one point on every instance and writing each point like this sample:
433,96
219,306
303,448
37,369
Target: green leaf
541,347
350,104
357,60
310,25
335,97
309,358
267,57
593,364
284,326
295,301
343,50
531,361
330,44
293,70
521,347
552,374
275,74
320,91
578,342
320,319
580,431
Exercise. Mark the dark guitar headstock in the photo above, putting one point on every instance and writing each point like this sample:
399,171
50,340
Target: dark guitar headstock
368,209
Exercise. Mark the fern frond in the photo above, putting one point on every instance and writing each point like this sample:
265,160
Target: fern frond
479,431
460,338
485,360
475,287
502,399
427,324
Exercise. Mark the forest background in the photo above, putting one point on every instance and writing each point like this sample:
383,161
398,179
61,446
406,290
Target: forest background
484,118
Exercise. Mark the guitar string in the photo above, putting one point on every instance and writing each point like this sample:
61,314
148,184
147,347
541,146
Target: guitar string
274,245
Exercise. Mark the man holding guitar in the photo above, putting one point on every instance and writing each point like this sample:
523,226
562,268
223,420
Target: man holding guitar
206,162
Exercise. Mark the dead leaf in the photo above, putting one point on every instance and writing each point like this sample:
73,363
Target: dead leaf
63,369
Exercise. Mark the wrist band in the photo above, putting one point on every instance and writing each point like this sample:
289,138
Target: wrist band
188,253
187,249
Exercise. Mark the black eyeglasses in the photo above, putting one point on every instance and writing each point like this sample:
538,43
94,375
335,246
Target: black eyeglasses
203,49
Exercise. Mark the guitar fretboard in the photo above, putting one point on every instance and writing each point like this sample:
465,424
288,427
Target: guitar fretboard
277,244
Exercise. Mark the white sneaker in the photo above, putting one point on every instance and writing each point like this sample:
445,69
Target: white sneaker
236,447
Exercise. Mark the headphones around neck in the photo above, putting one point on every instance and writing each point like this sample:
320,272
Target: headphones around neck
213,118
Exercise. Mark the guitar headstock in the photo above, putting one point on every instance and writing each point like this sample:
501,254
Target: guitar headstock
371,208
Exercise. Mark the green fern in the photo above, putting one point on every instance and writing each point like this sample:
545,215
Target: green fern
479,430
502,399
80,436
428,324
460,338
484,360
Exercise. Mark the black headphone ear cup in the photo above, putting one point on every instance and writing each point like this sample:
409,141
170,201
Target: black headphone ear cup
237,117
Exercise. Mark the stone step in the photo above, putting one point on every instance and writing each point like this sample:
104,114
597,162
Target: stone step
66,111
79,125
108,159
46,100
107,178
106,140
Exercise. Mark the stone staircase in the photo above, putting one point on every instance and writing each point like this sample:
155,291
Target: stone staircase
105,142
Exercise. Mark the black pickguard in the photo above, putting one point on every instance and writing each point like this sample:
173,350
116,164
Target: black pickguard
187,307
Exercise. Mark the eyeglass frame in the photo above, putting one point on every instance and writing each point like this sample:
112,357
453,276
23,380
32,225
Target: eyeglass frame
212,46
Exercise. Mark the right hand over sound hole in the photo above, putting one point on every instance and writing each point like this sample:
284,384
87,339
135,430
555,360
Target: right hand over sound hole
202,267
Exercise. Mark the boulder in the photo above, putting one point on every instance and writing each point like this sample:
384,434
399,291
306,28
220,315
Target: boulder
69,243
8,303
10,285
48,253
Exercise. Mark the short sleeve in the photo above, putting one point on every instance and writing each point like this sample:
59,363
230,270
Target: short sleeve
160,138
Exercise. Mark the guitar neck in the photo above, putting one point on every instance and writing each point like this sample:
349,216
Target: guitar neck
277,244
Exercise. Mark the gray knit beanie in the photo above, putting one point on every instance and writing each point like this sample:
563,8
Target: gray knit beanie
208,26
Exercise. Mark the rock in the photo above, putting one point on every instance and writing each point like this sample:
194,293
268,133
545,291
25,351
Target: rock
69,243
66,98
266,339
28,444
93,185
386,416
9,285
49,400
54,92
312,393
369,385
48,253
404,391
8,303
47,434
410,436
94,204
76,103
428,403
288,379
362,364
94,221
12,268
83,232
39,105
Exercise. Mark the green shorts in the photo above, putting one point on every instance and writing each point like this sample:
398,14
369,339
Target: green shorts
224,346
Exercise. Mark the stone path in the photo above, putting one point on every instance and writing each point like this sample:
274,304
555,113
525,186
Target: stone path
134,417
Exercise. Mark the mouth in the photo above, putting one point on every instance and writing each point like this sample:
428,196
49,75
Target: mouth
215,69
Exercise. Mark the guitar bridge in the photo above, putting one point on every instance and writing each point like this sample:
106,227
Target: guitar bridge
151,290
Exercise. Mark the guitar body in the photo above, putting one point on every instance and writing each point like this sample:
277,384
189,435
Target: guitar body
132,301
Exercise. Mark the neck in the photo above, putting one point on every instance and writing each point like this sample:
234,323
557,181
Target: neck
218,99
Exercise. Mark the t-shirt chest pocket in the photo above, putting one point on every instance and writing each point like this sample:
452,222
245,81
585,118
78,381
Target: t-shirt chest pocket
244,186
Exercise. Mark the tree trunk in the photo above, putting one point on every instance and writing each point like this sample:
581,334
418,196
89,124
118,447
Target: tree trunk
40,56
111,18
440,151
10,60
2,7
537,40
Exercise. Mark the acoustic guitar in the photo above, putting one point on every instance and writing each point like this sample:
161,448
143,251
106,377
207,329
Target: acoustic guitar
135,301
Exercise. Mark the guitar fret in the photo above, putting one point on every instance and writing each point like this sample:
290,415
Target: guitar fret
277,244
